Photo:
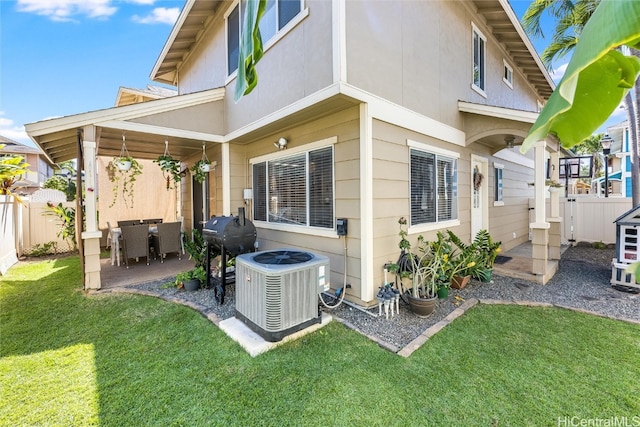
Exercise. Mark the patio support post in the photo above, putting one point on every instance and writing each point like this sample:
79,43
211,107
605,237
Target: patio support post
540,228
91,236
554,219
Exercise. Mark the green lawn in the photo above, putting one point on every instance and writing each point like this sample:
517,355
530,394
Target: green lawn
67,359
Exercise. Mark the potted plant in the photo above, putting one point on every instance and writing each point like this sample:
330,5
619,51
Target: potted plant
552,185
423,294
170,168
485,251
200,170
123,170
462,262
191,280
196,248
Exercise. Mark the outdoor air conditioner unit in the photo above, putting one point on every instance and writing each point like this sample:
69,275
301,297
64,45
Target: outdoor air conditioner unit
277,291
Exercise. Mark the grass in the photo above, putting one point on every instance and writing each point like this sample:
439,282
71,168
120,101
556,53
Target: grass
123,360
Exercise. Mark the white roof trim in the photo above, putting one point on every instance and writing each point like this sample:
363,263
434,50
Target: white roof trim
125,112
499,112
172,37
160,130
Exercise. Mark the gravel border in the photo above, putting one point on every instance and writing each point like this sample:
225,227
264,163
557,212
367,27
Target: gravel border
581,283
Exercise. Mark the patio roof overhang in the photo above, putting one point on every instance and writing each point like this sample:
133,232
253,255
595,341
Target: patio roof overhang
145,125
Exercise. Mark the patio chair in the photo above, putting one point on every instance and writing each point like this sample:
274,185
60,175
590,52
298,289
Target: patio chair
113,242
168,240
135,242
128,222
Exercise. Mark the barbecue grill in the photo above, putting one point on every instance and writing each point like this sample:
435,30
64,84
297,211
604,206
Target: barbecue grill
227,235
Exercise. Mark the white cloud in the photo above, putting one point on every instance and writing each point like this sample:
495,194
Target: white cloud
64,10
9,130
558,73
159,15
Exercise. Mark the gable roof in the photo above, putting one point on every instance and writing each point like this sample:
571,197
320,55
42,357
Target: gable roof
128,96
498,15
58,138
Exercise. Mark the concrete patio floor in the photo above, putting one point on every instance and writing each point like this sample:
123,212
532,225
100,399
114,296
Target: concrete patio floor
520,265
113,276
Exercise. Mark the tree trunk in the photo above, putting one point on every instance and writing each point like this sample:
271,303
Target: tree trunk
634,128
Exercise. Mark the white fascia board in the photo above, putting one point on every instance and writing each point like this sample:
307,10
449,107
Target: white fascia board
125,112
525,39
498,112
160,130
389,112
172,37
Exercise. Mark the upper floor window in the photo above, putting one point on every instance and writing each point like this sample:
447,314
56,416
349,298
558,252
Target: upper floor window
507,74
295,189
434,187
278,13
479,57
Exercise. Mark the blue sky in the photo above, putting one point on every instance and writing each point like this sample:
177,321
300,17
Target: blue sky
63,57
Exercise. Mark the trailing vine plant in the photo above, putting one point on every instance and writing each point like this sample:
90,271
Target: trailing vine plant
123,169
170,167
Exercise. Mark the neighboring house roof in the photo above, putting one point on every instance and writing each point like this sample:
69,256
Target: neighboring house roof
616,132
15,147
127,96
498,14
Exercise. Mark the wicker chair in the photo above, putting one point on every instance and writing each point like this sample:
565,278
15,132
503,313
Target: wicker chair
135,242
168,240
152,221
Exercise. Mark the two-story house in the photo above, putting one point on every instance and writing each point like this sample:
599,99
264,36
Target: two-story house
40,168
386,110
618,165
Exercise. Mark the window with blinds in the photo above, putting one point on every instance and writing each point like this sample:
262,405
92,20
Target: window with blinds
296,189
434,188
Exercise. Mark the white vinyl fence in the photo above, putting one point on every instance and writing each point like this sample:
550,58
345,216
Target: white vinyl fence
590,219
39,231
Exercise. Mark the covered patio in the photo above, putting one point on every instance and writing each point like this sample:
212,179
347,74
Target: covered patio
184,123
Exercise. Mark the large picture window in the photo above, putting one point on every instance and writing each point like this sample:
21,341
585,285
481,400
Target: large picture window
434,188
278,13
295,189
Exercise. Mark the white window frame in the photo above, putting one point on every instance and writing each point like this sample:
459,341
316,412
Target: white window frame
293,228
438,152
483,71
266,44
508,70
498,191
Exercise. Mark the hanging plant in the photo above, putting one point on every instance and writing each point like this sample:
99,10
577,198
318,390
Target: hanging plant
170,167
123,170
201,167
477,178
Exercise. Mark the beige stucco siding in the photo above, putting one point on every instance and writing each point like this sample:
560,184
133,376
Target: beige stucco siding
419,55
298,64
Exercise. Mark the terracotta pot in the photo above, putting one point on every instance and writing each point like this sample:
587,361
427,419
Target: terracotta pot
459,282
422,307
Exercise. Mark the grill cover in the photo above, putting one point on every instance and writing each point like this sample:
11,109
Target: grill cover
235,233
